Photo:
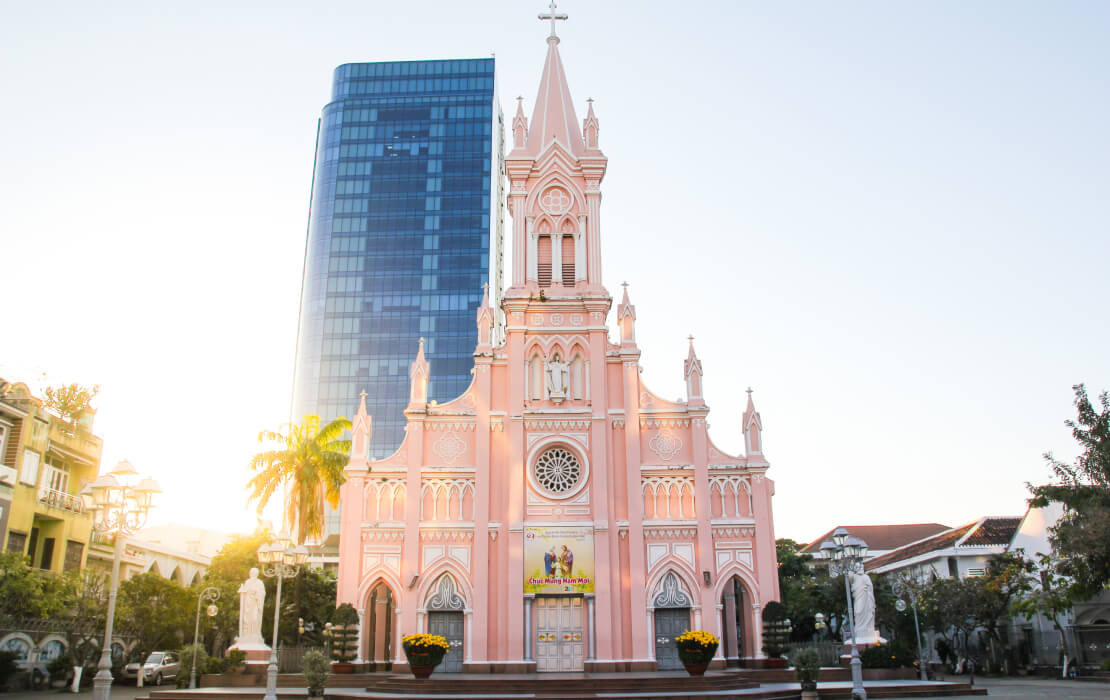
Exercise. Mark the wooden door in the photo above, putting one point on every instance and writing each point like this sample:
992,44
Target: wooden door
560,640
450,626
669,623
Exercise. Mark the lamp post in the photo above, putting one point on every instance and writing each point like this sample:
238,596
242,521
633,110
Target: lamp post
118,508
279,560
211,594
902,588
845,555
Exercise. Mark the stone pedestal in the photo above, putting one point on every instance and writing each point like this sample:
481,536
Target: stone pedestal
256,653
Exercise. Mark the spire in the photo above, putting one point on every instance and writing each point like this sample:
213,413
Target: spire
626,318
361,431
691,370
753,428
590,127
520,124
418,379
485,321
553,118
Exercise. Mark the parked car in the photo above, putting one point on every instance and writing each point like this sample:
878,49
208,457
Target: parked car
159,666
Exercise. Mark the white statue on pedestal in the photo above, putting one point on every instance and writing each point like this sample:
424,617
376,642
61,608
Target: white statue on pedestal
558,378
252,594
863,608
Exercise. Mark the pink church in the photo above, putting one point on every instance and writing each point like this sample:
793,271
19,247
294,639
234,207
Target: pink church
558,516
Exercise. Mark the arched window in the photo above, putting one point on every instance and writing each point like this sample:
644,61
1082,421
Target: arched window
543,261
577,378
535,379
568,259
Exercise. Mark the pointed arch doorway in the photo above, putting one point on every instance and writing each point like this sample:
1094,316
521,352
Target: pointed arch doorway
672,606
378,625
446,618
738,635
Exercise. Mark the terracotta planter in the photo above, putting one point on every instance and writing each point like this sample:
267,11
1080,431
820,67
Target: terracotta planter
342,667
696,669
423,663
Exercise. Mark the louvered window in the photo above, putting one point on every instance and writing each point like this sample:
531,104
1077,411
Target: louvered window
543,261
568,260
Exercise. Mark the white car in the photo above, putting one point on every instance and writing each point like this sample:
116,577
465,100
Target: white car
159,666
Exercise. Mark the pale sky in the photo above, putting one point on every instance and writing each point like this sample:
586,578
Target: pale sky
888,218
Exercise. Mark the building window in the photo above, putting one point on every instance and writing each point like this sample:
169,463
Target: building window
543,261
74,550
30,472
558,470
17,541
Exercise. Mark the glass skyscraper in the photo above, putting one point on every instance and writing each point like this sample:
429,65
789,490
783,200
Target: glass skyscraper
405,227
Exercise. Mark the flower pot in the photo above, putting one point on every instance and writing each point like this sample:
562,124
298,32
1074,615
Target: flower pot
696,669
423,663
342,667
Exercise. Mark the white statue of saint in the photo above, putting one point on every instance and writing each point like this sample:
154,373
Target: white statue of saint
863,608
558,378
252,594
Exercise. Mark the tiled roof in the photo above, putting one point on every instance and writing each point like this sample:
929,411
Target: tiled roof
983,532
994,531
932,544
882,537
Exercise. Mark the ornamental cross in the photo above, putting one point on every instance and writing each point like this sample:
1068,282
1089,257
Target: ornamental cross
552,15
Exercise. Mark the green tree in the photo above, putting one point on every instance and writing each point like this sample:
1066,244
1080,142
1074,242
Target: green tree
158,612
1081,538
71,400
29,592
806,590
1052,596
309,460
949,609
1008,578
229,568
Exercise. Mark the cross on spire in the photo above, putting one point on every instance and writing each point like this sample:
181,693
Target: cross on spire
749,392
553,15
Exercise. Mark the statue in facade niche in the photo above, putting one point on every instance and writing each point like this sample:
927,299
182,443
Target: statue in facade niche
558,379
252,594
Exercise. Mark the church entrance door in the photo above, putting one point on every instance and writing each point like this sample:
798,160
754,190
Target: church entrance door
560,642
669,623
450,626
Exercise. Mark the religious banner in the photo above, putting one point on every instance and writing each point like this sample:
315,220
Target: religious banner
558,560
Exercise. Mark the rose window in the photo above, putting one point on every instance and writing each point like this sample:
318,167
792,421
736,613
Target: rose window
555,201
558,470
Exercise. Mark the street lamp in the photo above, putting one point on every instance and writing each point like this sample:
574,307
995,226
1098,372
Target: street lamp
902,588
279,560
119,509
845,555
211,594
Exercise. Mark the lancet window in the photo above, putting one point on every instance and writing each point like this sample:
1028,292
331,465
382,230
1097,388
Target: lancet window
543,261
384,501
447,499
668,498
578,378
730,497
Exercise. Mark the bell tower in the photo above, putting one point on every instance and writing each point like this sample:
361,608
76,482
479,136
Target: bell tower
555,171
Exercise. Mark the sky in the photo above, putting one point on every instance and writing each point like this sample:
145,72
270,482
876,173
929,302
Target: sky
887,218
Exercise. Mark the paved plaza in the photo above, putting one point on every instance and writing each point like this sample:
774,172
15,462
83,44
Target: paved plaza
1019,688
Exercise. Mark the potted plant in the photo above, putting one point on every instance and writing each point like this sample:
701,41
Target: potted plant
235,661
344,634
696,649
60,669
807,666
316,669
424,652
9,665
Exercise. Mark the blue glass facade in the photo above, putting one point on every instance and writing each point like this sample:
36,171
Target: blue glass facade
405,227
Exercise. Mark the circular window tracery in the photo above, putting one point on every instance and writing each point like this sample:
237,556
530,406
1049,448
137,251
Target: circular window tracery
558,471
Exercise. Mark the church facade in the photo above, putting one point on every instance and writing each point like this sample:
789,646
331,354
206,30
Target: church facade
558,515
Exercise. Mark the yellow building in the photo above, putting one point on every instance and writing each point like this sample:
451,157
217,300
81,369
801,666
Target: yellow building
44,463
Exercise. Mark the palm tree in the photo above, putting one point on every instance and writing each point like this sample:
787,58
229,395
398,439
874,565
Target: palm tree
310,459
